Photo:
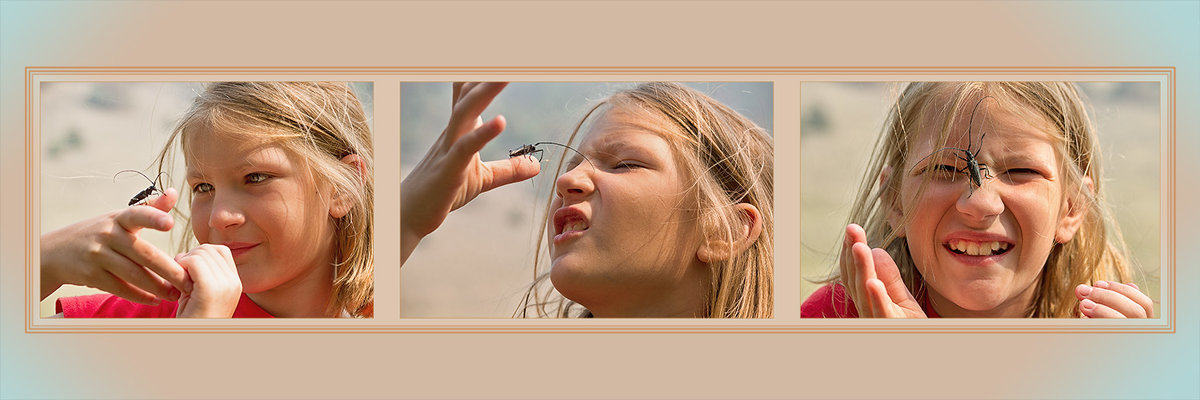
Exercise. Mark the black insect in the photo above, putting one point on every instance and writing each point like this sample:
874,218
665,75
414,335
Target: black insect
532,149
974,170
140,198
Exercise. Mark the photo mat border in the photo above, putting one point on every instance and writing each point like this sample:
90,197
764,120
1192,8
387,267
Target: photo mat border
1166,75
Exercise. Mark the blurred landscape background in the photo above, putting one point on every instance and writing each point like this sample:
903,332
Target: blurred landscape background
842,121
92,130
479,263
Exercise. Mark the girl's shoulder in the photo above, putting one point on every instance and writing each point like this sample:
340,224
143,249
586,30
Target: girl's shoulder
110,306
830,301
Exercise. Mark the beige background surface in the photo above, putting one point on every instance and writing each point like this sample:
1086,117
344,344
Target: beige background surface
558,361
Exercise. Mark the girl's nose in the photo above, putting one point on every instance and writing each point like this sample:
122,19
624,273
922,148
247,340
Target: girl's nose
982,204
225,213
574,184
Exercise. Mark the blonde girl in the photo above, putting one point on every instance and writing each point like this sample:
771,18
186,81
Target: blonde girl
666,211
280,192
985,201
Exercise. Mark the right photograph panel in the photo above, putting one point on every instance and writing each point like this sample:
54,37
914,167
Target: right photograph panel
980,199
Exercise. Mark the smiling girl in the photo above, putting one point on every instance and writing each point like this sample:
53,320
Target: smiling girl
280,178
665,211
984,199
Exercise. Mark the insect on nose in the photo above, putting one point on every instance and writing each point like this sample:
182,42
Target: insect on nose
574,184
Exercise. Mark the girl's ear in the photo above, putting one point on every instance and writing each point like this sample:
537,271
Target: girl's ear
895,214
718,249
342,204
1076,212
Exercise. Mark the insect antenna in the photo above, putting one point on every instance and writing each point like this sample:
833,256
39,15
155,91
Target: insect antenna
532,148
140,197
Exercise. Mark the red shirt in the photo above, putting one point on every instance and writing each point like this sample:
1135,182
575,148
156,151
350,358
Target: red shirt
831,301
110,306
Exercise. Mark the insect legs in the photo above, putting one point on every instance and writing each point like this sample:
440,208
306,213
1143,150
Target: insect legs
140,197
531,149
974,170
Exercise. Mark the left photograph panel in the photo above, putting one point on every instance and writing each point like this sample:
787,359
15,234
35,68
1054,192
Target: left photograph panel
206,199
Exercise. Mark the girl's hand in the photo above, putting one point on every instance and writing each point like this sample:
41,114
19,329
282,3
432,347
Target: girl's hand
873,281
1108,299
216,287
106,253
452,174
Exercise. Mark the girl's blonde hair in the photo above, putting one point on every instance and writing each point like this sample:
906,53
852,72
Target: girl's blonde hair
1097,250
732,162
321,122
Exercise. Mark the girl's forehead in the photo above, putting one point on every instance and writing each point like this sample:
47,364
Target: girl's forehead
209,150
618,124
983,119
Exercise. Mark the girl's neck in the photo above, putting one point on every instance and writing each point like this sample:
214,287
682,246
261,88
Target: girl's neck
307,296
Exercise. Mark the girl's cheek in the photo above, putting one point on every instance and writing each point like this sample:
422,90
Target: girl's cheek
199,215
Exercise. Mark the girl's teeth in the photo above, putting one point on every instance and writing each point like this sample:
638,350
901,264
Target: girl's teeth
977,248
575,226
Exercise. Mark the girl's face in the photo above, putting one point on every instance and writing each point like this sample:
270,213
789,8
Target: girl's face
259,201
623,239
981,253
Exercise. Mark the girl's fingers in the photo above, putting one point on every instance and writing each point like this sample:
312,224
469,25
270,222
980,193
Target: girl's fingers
854,234
455,92
1133,293
470,144
166,201
1106,293
110,283
876,294
511,170
135,275
864,270
147,255
470,106
136,218
1093,309
888,274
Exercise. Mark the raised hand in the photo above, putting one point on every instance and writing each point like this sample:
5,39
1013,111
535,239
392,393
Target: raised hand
1106,299
216,287
106,253
452,174
873,281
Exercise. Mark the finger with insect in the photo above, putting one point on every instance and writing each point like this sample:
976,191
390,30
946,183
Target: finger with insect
975,171
140,197
531,149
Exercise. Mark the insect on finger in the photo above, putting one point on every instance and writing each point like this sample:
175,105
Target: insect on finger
531,149
140,197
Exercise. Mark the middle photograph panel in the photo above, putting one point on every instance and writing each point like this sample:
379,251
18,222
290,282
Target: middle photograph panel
587,199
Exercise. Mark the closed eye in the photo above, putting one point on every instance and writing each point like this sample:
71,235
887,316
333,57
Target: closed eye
944,171
628,165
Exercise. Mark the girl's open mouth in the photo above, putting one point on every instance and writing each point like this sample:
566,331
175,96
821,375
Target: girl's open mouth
978,249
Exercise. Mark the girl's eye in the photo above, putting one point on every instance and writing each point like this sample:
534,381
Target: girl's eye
1020,171
201,188
944,171
256,177
1021,175
628,165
